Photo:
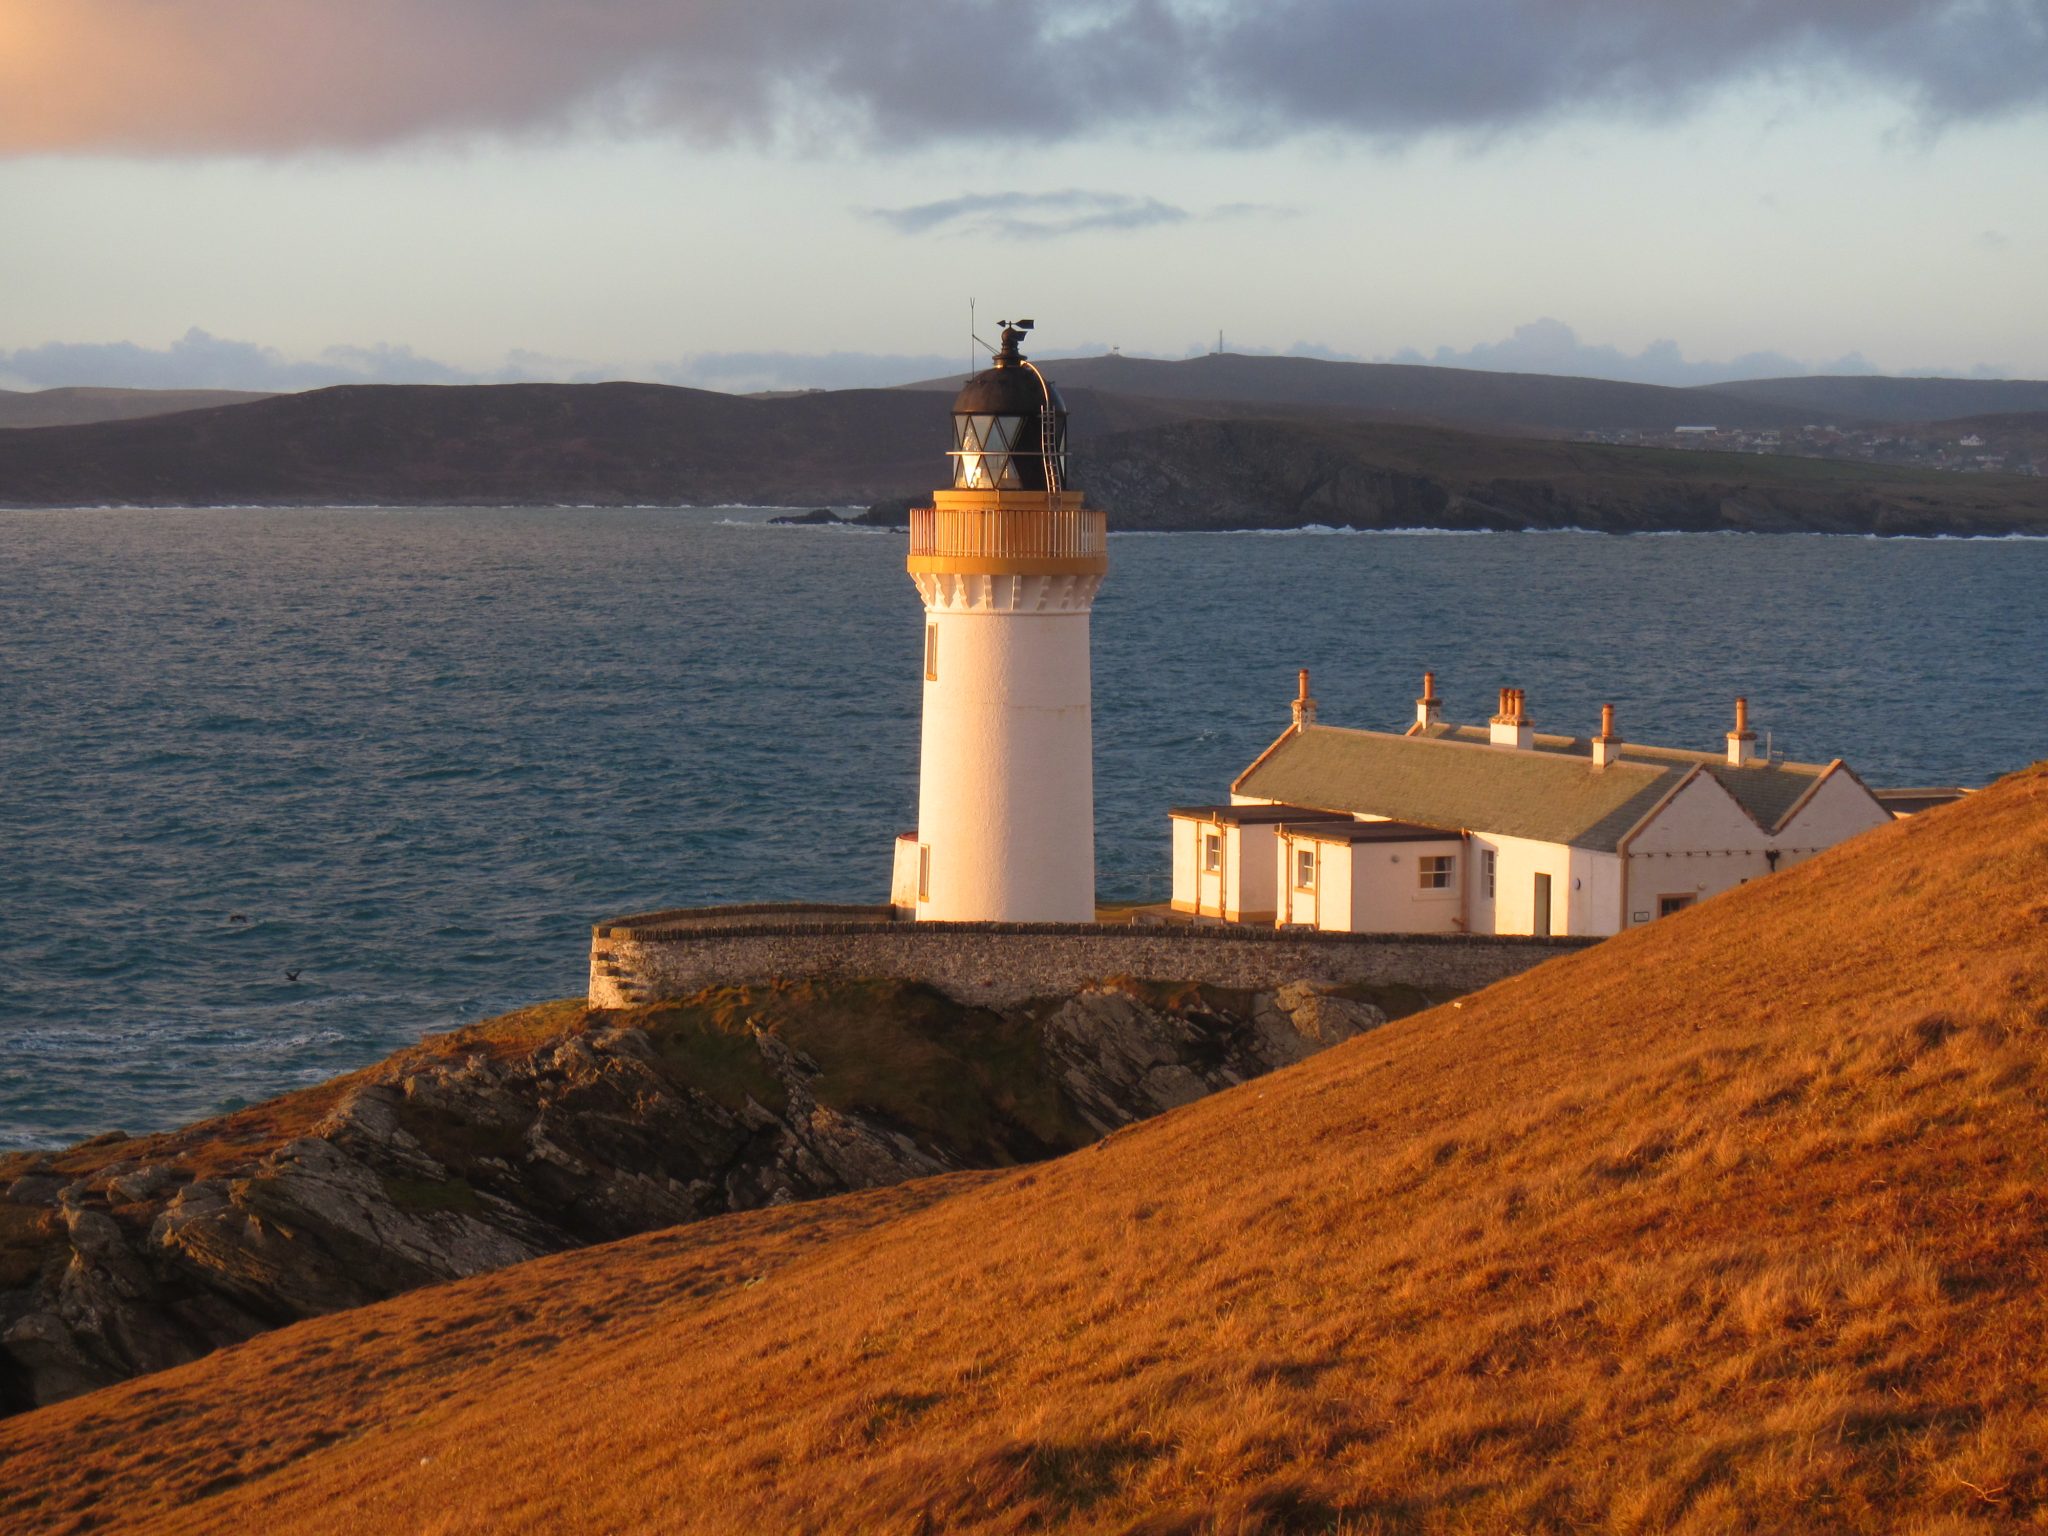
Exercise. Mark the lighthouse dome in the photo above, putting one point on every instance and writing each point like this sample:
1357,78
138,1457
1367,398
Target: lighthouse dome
1009,426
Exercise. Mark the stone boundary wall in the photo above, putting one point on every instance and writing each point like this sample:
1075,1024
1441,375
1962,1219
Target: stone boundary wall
643,959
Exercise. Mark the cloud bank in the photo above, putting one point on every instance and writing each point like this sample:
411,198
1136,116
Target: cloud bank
279,76
1551,346
198,360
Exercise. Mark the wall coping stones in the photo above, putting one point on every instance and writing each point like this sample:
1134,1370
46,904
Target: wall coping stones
674,953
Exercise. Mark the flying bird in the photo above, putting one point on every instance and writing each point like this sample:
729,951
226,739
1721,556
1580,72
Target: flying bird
237,917
291,975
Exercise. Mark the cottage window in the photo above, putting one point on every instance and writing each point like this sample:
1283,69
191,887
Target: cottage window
1486,863
924,872
1305,869
1212,851
1433,871
931,653
1666,905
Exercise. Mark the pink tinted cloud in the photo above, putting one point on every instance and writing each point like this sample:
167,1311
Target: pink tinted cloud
278,76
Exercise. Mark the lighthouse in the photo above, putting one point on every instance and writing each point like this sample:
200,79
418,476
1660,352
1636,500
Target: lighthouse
1007,560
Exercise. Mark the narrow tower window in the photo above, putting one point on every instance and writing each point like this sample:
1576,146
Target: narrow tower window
931,653
924,872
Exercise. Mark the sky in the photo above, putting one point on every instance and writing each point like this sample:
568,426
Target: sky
745,194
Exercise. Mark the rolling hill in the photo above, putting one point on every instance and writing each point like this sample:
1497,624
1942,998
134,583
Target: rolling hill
1737,1222
1156,464
1467,397
485,445
1877,399
75,406
1536,403
1287,473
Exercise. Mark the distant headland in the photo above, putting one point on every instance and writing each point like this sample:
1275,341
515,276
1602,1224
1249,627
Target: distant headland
1209,444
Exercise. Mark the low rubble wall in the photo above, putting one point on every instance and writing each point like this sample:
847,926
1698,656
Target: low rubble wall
675,954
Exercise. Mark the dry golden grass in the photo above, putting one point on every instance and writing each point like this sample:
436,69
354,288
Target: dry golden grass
1736,1223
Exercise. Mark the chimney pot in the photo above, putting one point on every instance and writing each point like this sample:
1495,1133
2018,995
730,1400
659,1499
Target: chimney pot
1511,726
1741,740
1427,708
1304,706
1607,745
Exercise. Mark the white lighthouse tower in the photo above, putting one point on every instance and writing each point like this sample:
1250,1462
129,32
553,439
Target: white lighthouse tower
1007,561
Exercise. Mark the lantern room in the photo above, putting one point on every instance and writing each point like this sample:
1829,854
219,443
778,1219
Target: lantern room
1009,425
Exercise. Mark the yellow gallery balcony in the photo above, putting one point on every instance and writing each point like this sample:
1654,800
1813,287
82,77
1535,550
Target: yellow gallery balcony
1008,533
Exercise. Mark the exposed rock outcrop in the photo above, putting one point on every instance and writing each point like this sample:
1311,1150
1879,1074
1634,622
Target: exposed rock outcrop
561,1126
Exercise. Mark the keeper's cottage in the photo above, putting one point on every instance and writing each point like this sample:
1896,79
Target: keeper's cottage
1496,829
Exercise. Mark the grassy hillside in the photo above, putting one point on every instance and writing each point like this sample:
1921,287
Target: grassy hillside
489,444
1279,473
1469,397
1736,1222
1186,463
77,405
1870,398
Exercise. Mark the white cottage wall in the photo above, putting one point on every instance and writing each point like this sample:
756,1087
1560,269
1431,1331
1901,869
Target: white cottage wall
1518,862
1334,863
1698,844
1595,893
1839,808
1298,904
1386,894
1255,874
1187,854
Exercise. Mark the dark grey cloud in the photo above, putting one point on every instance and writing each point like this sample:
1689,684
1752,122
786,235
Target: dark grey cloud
198,360
280,75
1047,215
1031,215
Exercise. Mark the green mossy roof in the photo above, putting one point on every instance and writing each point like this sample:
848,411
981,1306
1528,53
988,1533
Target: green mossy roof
1451,777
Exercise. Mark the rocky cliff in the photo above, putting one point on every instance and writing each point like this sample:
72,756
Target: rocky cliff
1221,474
561,1126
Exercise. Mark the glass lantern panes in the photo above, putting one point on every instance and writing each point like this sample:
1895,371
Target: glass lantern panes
983,459
1003,453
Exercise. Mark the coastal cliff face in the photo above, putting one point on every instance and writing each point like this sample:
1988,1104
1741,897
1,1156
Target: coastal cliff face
561,1126
1218,475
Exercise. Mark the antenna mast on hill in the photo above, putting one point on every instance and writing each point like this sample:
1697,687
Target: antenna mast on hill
970,338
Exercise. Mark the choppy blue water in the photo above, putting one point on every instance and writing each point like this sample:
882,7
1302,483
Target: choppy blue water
421,751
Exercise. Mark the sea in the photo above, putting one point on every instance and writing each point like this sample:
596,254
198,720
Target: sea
284,790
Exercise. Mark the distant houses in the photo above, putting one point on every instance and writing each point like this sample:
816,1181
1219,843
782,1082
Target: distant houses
1496,829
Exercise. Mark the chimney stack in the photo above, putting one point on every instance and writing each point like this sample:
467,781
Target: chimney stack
1741,740
1428,708
1511,727
1607,745
1304,706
